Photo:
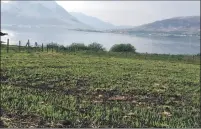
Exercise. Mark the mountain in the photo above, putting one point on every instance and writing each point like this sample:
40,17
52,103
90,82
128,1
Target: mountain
40,14
95,22
177,25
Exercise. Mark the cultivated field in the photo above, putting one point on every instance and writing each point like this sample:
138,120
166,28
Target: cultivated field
67,90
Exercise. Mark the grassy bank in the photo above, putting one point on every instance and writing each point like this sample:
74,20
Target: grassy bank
88,90
193,59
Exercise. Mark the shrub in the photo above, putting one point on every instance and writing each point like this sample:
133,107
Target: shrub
54,45
96,47
123,48
77,47
62,48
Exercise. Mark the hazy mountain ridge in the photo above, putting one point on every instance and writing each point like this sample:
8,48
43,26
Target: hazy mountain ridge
38,13
21,15
94,22
182,25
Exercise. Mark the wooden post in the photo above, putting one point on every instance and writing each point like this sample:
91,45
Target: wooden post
28,45
36,46
146,55
47,48
0,49
42,47
7,45
19,45
57,48
52,47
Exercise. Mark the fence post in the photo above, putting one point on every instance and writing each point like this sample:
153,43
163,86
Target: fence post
57,48
28,45
42,47
47,48
36,46
146,55
0,47
19,45
52,47
7,45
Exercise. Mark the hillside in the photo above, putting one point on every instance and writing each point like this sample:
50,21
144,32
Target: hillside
37,14
95,22
179,25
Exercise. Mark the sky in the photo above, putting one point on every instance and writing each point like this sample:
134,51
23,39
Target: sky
133,13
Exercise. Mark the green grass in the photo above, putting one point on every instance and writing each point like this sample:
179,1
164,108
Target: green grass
86,90
192,59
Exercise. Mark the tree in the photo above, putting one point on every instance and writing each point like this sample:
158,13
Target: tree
123,48
77,47
62,48
52,45
95,47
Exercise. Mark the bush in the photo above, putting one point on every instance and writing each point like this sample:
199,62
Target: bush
54,45
96,47
77,47
123,48
62,48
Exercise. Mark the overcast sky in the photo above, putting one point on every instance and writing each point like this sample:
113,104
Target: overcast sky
133,12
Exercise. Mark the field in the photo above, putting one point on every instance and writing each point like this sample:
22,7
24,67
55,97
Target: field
80,90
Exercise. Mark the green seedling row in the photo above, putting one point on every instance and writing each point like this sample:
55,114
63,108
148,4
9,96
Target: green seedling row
74,90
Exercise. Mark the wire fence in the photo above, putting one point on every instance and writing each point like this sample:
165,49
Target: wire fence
80,48
35,47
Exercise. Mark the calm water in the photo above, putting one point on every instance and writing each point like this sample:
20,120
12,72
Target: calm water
149,44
